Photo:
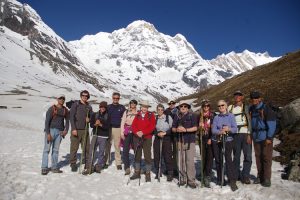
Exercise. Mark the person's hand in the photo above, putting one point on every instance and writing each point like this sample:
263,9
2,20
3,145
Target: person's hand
209,141
201,125
225,129
74,133
161,134
87,120
140,134
181,129
123,136
49,137
267,142
64,133
97,123
249,139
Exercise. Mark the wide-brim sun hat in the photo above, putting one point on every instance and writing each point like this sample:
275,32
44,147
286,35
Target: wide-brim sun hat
184,102
145,103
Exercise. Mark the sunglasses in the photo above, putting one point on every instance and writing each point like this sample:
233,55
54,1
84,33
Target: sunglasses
62,98
183,106
221,105
85,95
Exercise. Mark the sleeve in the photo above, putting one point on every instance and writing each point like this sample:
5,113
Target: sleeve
249,126
271,123
170,121
90,112
175,122
67,120
215,129
123,123
233,126
134,126
93,120
106,123
149,129
48,120
72,116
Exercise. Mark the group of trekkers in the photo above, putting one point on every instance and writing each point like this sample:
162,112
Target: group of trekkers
176,131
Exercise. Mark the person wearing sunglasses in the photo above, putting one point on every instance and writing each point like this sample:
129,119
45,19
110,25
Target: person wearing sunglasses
263,121
185,126
242,140
162,145
205,123
56,128
115,111
80,114
126,133
224,128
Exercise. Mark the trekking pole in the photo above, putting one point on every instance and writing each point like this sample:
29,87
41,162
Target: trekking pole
202,157
84,142
141,145
178,160
223,155
93,151
160,152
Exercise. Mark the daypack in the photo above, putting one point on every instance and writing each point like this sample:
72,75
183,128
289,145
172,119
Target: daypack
243,113
267,111
167,118
55,110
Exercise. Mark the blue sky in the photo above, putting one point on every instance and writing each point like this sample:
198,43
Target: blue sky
213,27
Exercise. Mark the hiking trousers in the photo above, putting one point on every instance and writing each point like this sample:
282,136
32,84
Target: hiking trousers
126,148
115,137
186,166
75,141
240,144
263,156
166,152
145,146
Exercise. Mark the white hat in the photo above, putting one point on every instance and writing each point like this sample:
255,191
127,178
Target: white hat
184,102
145,103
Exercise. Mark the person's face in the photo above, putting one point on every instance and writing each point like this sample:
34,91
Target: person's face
171,105
61,100
222,107
160,111
238,98
184,108
132,105
256,101
84,97
116,99
206,107
102,109
144,109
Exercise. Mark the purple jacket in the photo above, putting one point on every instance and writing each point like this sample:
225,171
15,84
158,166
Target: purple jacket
220,120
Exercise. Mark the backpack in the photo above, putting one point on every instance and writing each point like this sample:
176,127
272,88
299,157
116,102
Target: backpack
268,111
167,118
243,113
55,110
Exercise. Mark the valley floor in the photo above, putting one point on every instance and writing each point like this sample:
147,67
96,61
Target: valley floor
21,144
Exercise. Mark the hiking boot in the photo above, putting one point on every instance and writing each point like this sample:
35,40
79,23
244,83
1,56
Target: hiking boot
148,177
257,181
127,171
220,183
192,185
207,182
181,182
44,171
74,167
105,166
266,183
58,171
86,172
97,168
119,167
136,175
233,186
170,176
246,181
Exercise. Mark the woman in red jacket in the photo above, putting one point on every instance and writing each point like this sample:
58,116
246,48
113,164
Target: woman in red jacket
142,127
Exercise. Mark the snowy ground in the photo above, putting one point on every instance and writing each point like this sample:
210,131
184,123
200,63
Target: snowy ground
21,144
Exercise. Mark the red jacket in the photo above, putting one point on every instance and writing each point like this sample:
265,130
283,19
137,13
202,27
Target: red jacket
146,124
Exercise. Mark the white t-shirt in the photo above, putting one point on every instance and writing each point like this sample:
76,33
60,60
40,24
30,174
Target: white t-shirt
240,118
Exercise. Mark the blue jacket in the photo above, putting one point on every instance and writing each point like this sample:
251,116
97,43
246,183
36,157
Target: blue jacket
115,112
220,120
263,121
